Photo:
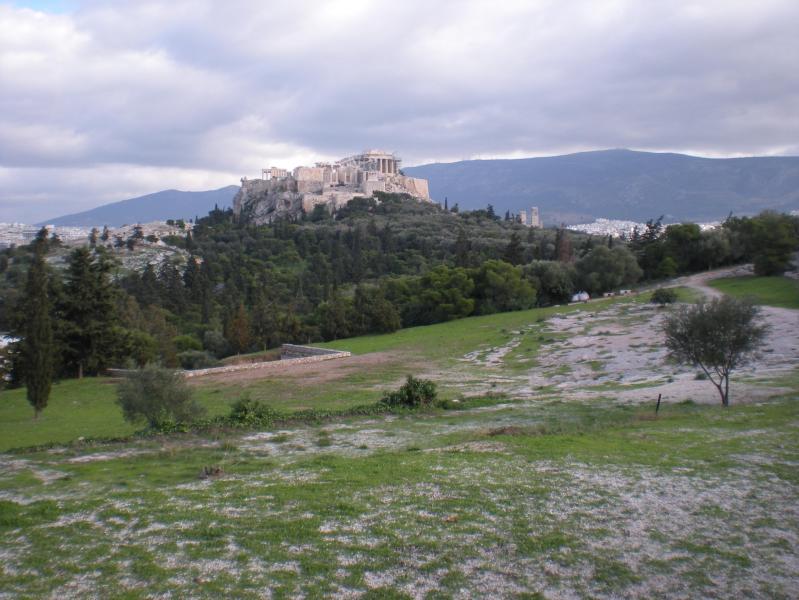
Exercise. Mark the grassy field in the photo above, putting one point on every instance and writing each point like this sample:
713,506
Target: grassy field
523,500
87,408
551,488
772,291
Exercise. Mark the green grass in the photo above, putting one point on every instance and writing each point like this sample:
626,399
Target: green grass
558,492
77,408
87,408
524,496
460,336
782,292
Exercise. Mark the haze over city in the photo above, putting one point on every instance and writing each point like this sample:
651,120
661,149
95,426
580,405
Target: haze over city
104,101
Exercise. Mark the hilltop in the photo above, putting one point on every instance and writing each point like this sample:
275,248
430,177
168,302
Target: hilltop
619,184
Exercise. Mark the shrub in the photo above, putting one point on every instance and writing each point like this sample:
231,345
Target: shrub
413,393
158,396
663,296
197,359
246,411
184,343
216,344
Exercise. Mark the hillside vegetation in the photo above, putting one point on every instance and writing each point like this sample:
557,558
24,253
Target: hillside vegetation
376,266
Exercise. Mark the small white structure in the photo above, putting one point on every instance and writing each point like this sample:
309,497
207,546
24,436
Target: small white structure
581,296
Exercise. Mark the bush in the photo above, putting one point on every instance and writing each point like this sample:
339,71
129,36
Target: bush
197,359
412,394
246,411
158,396
216,344
184,343
663,296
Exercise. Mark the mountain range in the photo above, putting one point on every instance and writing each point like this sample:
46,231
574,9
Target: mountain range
160,206
618,184
573,188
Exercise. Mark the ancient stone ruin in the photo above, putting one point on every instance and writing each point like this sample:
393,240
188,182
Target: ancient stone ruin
280,193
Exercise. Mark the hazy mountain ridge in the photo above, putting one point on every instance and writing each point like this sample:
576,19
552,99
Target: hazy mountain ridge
160,206
572,188
619,184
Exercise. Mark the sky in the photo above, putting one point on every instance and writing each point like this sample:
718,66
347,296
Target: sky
102,101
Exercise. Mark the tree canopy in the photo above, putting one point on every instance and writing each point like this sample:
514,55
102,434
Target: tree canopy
718,336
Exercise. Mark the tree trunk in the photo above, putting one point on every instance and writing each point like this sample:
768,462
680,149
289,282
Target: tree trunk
726,401
80,370
720,388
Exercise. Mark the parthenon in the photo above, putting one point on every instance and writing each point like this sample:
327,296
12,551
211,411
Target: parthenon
280,192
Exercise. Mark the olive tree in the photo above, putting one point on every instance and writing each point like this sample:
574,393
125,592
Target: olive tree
157,396
719,336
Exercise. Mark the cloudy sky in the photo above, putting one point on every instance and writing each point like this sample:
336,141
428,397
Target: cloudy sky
101,101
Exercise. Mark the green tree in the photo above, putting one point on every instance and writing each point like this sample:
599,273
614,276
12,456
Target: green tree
683,243
554,281
603,269
238,330
89,311
563,246
648,247
157,396
499,286
37,332
718,336
514,253
462,249
442,294
372,312
775,240
332,318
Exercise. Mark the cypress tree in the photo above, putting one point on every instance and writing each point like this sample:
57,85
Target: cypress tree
89,311
37,342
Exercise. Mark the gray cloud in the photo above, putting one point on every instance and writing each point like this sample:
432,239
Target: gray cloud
117,99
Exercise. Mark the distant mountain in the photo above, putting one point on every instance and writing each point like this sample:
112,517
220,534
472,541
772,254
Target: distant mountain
618,184
160,206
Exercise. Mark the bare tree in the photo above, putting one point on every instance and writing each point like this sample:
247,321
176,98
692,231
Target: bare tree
719,336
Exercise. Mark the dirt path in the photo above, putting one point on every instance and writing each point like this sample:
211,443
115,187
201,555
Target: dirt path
310,373
700,281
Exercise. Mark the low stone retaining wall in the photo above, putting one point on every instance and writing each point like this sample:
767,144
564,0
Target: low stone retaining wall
290,354
289,351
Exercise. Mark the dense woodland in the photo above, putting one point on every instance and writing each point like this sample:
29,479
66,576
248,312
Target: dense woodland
375,266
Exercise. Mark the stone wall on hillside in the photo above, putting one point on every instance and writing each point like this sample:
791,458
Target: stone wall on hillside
290,355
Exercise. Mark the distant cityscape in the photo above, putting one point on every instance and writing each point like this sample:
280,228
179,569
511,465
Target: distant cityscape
18,234
623,229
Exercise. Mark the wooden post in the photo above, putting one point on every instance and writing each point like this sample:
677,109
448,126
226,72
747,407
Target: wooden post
657,408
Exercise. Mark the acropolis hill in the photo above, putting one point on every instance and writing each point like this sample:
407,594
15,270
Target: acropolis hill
281,193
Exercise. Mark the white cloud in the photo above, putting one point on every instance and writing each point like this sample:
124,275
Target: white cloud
183,94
